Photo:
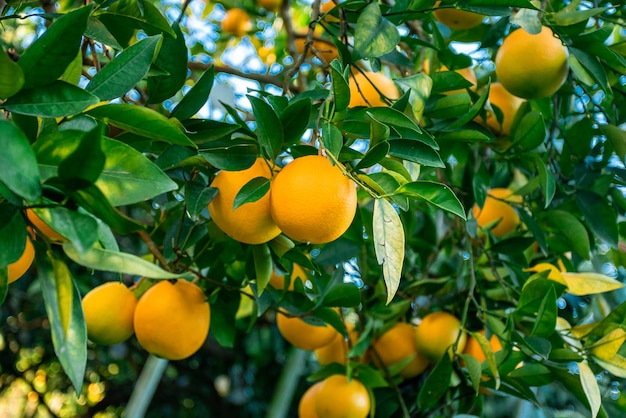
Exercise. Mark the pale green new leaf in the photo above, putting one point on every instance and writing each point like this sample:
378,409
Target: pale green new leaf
590,387
389,244
374,35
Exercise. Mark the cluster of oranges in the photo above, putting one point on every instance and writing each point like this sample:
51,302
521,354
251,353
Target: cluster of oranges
310,200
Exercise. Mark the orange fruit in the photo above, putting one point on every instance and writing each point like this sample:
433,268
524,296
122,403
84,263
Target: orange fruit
508,105
457,19
313,201
109,310
366,89
474,349
172,319
339,398
306,406
337,350
236,22
270,5
43,227
279,281
324,48
303,335
397,344
496,209
326,7
250,223
19,267
437,332
532,66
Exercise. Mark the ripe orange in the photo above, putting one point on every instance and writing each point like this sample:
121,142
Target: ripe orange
236,22
532,66
306,406
303,335
313,201
326,7
339,398
279,281
457,19
250,223
172,319
397,344
496,209
437,332
337,350
19,267
473,348
508,105
366,89
43,227
109,310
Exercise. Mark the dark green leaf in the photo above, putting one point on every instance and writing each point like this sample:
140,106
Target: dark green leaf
546,316
173,59
12,234
223,316
99,33
252,191
438,194
195,98
12,78
267,121
374,155
593,67
198,197
415,151
19,166
295,119
263,266
531,131
134,14
237,155
47,58
474,370
73,170
79,228
341,91
449,107
572,229
374,35
533,374
142,121
388,244
342,294
600,217
53,100
436,384
331,138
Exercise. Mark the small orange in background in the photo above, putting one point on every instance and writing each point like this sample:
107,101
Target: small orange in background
508,105
397,344
337,350
306,406
473,348
109,310
20,266
43,227
236,22
497,213
366,89
303,335
457,19
278,282
339,397
437,332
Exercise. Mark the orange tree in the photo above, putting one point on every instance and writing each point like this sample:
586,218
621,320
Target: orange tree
127,124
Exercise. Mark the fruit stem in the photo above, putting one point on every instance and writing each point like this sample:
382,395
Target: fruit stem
287,384
145,387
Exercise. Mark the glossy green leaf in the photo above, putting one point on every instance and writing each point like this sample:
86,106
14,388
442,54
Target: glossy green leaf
55,49
530,132
546,178
546,315
198,197
593,67
342,294
295,119
341,91
263,266
449,107
617,138
142,121
117,262
415,151
65,313
533,374
55,99
134,14
12,234
436,384
79,228
590,387
378,131
331,138
99,33
12,78
74,71
388,244
232,156
19,165
599,216
419,87
573,230
73,170
268,123
374,155
4,284
567,17
252,191
473,368
438,194
195,98
374,34
172,58
125,70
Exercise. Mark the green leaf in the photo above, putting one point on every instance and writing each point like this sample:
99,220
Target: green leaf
449,107
567,17
223,310
546,178
12,234
389,244
474,370
590,387
263,265
12,78
267,121
197,197
530,132
252,191
46,59
195,98
436,384
331,138
374,155
546,315
74,71
599,216
173,59
231,156
79,228
593,67
98,32
56,99
374,35
125,70
438,194
341,90
342,294
572,230
415,151
295,119
19,166
617,138
65,313
73,170
142,121
117,262
136,14
419,86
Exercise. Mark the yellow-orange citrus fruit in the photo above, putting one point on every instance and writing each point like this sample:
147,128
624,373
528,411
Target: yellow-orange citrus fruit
19,267
236,22
279,281
303,335
457,19
337,350
473,348
437,332
251,222
269,5
313,201
532,66
109,310
366,89
43,227
339,398
397,344
324,48
497,212
508,105
172,319
326,7
306,406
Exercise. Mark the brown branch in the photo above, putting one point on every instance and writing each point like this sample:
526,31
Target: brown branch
153,248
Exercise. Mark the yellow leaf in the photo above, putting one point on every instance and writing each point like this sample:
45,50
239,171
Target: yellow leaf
616,365
590,387
554,274
581,284
580,331
607,347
